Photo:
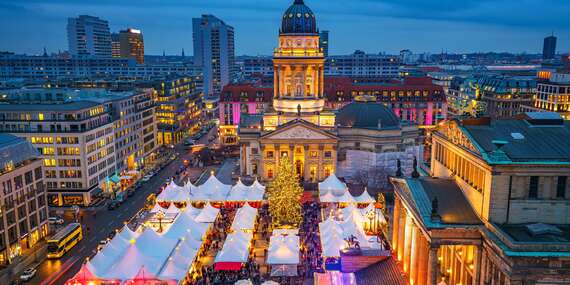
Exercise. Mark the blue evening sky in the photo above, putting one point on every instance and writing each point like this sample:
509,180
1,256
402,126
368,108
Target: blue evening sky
26,26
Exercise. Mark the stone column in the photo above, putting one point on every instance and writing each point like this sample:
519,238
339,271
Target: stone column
306,167
422,261
432,265
408,244
320,167
395,224
276,84
477,269
414,255
401,233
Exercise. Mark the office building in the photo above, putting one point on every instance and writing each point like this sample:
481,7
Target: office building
214,52
494,209
360,64
89,36
132,44
115,45
552,94
179,107
87,138
24,213
55,68
549,47
324,42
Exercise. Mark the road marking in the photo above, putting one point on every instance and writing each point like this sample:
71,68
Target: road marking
110,224
81,249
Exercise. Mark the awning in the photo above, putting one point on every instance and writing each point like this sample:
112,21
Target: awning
115,179
229,266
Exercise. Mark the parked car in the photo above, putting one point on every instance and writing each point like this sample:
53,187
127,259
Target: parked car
130,192
55,221
28,274
146,178
189,142
113,205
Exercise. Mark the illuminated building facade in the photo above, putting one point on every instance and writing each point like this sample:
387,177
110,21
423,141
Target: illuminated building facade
413,99
295,119
504,96
132,44
86,138
89,36
24,213
179,103
495,207
552,94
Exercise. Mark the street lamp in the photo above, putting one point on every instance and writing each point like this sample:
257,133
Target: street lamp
371,215
160,215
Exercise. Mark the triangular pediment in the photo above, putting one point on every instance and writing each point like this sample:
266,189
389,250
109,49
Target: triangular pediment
299,130
457,135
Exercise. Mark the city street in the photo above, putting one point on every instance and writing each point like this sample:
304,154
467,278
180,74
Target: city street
99,223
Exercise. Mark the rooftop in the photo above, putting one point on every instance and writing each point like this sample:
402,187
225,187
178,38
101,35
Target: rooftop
15,150
534,138
521,233
370,115
70,106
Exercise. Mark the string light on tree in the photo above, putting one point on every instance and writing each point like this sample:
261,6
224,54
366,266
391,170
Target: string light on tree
284,195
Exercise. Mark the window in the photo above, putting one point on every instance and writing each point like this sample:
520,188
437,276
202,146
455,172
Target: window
313,154
561,187
269,154
533,187
328,154
28,177
284,153
270,173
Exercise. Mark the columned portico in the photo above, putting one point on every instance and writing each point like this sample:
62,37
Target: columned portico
429,247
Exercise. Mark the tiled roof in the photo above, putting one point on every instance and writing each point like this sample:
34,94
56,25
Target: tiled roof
382,273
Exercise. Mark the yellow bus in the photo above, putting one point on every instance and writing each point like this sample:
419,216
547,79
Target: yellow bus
64,240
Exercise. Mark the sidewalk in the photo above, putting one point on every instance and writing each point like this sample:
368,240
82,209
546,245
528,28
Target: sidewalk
33,256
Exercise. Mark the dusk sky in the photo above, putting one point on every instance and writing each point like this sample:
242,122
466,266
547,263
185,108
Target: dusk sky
26,26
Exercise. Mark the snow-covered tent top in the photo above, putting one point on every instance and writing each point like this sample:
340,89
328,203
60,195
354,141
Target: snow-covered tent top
236,248
346,197
283,249
208,214
364,198
258,185
332,184
211,190
177,265
245,218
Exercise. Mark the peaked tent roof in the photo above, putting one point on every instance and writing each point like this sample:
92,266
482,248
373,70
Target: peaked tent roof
332,184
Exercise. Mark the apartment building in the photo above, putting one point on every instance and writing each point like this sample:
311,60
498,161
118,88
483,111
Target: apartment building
552,94
23,212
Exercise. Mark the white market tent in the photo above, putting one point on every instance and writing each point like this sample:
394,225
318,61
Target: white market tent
364,198
245,218
283,249
173,193
212,190
172,210
157,208
208,214
241,192
332,184
166,256
236,248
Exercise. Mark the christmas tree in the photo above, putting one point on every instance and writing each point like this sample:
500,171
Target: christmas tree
284,195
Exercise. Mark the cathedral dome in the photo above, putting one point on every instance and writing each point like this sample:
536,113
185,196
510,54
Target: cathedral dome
299,19
369,115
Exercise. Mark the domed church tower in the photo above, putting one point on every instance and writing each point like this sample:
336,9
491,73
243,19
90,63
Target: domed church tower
298,63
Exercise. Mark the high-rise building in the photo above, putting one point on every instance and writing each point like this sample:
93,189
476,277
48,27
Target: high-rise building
324,42
89,36
115,45
24,212
549,47
132,44
214,52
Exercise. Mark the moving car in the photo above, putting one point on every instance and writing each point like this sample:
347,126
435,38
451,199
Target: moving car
112,205
28,274
55,221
